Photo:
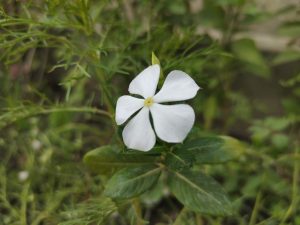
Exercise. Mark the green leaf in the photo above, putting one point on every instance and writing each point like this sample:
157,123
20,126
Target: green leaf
179,159
291,29
230,2
253,61
177,7
210,150
286,56
276,123
280,140
212,15
155,194
155,60
107,159
210,110
94,211
130,182
293,81
199,193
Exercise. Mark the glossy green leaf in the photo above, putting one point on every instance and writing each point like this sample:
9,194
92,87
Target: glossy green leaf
130,182
210,150
199,193
107,159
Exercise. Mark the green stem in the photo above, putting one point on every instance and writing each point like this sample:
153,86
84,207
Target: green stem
255,209
199,219
74,109
24,196
138,212
23,113
294,196
3,196
178,220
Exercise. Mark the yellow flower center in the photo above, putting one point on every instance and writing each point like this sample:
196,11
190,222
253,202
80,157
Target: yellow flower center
148,101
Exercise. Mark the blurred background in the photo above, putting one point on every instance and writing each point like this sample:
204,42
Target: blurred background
63,63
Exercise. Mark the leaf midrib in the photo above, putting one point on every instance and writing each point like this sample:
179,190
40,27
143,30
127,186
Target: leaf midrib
196,186
177,157
119,163
203,146
143,175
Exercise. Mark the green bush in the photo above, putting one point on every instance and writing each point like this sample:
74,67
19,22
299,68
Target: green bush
64,64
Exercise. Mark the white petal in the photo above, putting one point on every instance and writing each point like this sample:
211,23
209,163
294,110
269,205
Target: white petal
126,106
145,83
178,86
138,133
172,123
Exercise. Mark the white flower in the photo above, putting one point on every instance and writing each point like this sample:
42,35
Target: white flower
36,145
23,175
172,123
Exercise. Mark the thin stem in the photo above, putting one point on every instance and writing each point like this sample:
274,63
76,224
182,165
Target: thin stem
22,113
75,109
23,212
178,220
3,196
294,196
138,212
255,209
198,219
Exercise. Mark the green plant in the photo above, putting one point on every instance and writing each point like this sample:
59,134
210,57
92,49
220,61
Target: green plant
63,64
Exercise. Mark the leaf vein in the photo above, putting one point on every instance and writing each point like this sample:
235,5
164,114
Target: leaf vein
196,187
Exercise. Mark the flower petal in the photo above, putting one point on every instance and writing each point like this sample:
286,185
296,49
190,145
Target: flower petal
126,106
172,123
178,86
138,133
145,83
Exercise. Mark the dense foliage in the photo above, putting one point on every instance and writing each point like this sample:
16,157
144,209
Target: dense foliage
63,65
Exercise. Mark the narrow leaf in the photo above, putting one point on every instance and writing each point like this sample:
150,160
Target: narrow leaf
155,60
130,182
107,159
199,193
83,70
85,213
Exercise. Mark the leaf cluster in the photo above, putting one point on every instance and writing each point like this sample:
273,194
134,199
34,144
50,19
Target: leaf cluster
136,173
